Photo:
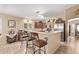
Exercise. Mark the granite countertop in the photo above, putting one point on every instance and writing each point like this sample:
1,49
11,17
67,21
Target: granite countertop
41,32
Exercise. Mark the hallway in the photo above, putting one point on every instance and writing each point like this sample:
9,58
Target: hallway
71,47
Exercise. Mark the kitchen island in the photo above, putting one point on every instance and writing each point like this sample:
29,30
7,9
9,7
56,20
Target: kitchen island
53,39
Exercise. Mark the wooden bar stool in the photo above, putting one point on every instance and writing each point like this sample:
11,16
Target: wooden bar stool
35,35
39,44
23,37
29,42
32,36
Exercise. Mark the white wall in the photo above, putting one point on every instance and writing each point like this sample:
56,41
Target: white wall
72,30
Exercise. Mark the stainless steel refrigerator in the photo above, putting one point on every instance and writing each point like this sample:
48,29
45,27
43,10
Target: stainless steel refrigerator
60,26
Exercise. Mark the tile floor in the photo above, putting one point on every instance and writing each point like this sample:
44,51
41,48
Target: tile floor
71,47
14,48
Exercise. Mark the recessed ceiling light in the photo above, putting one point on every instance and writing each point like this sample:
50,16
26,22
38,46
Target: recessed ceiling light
41,16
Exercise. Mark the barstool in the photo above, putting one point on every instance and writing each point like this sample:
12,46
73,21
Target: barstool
39,44
35,35
32,36
24,36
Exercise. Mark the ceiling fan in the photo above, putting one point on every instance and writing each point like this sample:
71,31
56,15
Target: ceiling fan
39,14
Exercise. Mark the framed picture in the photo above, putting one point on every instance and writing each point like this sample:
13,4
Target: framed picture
11,23
25,25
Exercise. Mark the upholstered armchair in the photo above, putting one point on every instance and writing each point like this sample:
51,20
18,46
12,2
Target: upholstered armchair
11,36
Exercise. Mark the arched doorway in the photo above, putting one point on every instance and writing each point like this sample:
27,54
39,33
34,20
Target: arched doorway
73,27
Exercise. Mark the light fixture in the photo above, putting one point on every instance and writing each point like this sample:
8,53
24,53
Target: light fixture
40,16
27,20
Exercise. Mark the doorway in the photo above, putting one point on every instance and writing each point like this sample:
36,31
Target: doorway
73,29
77,30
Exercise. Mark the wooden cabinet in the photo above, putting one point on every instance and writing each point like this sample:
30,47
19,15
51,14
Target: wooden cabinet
39,24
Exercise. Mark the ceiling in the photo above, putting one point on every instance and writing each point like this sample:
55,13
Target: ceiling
29,10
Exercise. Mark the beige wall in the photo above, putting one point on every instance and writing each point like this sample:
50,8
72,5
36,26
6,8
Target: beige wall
22,21
5,28
5,19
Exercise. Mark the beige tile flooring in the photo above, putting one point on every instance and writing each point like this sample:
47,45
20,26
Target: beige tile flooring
14,48
70,47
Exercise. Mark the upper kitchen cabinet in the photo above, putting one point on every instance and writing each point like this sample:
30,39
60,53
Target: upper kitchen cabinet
39,24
